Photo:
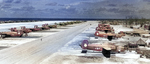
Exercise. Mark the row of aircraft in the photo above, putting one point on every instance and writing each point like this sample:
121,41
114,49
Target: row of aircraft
104,31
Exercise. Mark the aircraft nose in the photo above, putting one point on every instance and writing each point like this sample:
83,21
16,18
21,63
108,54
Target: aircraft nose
84,44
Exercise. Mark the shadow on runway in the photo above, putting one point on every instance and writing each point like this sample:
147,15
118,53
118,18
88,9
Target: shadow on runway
48,31
69,26
61,28
3,47
32,37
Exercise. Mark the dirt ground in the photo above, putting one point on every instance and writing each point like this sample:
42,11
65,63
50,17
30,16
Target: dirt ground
63,58
72,59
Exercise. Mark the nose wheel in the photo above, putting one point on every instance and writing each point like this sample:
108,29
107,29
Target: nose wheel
106,31
106,53
84,51
109,38
96,37
3,36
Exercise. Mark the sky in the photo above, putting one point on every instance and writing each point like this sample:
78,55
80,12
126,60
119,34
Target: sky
103,9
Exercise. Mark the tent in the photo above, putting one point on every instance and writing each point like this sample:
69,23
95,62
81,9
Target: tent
141,42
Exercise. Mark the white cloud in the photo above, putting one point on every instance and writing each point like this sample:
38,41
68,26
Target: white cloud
77,3
67,7
83,8
1,1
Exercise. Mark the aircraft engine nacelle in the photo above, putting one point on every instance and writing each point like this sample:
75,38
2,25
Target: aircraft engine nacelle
84,44
12,29
100,35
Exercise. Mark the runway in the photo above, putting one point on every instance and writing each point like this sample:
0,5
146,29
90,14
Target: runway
36,51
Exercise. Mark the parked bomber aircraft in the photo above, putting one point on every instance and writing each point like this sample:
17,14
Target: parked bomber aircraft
104,27
106,48
109,35
19,33
45,27
23,28
36,28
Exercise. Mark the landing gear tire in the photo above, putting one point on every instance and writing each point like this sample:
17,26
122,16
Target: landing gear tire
84,51
20,35
109,38
3,36
96,37
106,53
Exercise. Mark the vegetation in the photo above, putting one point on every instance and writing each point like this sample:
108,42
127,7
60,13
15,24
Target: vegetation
68,23
52,26
17,21
136,21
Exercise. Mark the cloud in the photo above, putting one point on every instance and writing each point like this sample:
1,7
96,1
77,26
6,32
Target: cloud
67,7
15,9
8,1
1,1
113,5
115,10
51,4
61,5
24,8
5,6
11,1
110,8
67,11
147,0
28,8
77,8
126,5
17,1
77,3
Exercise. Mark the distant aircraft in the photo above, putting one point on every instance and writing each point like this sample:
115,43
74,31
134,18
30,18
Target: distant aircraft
18,33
